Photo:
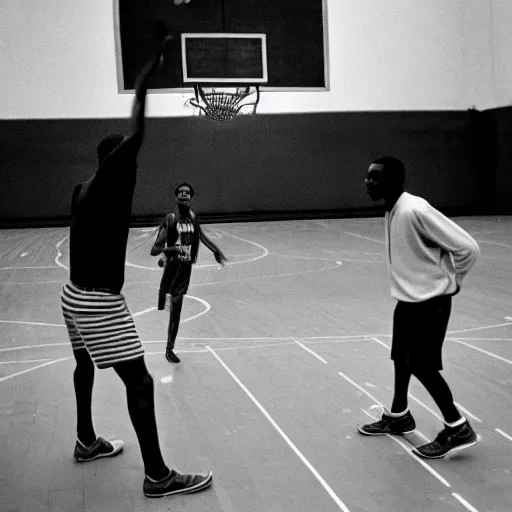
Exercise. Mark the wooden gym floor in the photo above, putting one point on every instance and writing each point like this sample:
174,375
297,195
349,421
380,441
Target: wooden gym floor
284,351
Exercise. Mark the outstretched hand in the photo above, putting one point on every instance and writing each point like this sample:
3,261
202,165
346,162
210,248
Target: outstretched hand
220,258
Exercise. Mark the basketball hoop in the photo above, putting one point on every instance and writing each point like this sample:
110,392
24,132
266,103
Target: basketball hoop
222,105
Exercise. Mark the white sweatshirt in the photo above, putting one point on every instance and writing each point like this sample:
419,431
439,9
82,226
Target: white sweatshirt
427,254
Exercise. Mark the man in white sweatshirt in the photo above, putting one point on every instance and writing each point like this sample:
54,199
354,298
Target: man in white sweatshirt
428,255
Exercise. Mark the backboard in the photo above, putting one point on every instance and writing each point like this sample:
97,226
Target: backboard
295,39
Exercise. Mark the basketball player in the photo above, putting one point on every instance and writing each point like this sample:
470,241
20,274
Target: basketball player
428,256
99,324
178,238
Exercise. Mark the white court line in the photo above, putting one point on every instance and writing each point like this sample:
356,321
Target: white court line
459,498
494,243
32,283
355,384
310,351
380,342
485,339
265,253
203,302
45,345
504,434
478,233
27,361
28,347
268,276
322,342
265,250
59,254
430,469
31,323
249,338
307,258
299,454
265,345
352,260
26,268
425,406
34,368
234,280
363,237
468,413
347,337
486,352
192,351
480,328
139,313
389,335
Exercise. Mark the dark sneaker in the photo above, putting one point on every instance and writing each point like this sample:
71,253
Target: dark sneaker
176,483
449,440
171,356
387,425
100,448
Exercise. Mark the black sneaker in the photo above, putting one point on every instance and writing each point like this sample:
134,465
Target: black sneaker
171,356
176,483
100,448
449,440
387,425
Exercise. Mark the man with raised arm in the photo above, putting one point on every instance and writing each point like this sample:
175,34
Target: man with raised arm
100,326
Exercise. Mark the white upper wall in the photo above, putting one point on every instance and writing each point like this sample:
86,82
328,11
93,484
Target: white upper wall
58,59
502,44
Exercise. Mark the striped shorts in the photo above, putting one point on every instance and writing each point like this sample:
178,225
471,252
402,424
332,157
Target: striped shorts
101,323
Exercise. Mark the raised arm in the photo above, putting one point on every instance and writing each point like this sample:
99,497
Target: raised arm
141,89
130,146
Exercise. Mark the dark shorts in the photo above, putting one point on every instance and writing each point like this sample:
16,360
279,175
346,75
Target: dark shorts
419,329
175,280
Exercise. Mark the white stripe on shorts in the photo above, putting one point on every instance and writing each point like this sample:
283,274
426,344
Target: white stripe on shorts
101,323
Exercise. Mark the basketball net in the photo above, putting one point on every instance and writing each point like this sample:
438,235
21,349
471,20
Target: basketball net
225,104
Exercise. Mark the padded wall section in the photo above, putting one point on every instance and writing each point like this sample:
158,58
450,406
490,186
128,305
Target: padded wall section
262,163
502,123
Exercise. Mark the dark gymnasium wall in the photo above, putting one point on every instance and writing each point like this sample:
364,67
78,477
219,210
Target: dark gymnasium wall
265,166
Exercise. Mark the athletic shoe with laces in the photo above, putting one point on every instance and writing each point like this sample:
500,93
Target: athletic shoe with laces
449,440
171,356
176,483
404,424
100,448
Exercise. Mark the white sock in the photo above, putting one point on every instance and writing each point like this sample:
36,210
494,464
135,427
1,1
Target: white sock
397,414
457,423
86,447
160,479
